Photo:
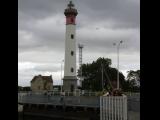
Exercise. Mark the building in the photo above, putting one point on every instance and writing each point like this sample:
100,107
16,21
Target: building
70,78
42,83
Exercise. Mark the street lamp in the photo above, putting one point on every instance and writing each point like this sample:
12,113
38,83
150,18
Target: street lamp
120,42
61,74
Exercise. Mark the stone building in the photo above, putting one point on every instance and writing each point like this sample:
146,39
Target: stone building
42,83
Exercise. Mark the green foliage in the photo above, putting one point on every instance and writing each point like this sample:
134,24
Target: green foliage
133,75
92,74
133,81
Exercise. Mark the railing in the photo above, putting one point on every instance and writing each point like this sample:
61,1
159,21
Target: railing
113,108
132,93
53,93
89,101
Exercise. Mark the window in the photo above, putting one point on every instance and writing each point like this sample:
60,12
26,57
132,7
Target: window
72,36
72,53
72,70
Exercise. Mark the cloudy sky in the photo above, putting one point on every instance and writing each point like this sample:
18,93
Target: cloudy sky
100,23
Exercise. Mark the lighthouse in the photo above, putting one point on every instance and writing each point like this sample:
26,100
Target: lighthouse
70,79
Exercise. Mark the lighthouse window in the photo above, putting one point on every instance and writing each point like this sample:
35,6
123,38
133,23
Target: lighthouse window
72,69
72,36
72,53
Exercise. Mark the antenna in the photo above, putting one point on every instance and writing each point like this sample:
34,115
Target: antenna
80,46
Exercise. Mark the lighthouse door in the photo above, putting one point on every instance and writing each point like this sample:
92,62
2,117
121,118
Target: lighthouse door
72,88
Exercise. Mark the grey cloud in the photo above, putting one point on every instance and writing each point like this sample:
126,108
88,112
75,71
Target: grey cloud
98,13
27,70
40,8
123,13
103,41
40,57
48,67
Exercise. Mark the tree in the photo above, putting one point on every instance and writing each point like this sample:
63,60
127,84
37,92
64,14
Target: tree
133,81
134,77
92,73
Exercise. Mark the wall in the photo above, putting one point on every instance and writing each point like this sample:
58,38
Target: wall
38,85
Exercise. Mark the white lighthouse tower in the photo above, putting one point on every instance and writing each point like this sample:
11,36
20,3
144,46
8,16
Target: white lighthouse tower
70,79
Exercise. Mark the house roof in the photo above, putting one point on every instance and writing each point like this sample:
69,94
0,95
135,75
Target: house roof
46,78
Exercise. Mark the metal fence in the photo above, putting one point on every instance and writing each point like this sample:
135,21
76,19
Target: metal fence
113,108
88,101
136,94
56,93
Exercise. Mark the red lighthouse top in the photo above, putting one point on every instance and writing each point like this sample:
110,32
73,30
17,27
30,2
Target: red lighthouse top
70,13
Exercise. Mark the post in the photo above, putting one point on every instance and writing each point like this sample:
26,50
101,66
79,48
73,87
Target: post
102,76
118,66
101,108
118,62
61,77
